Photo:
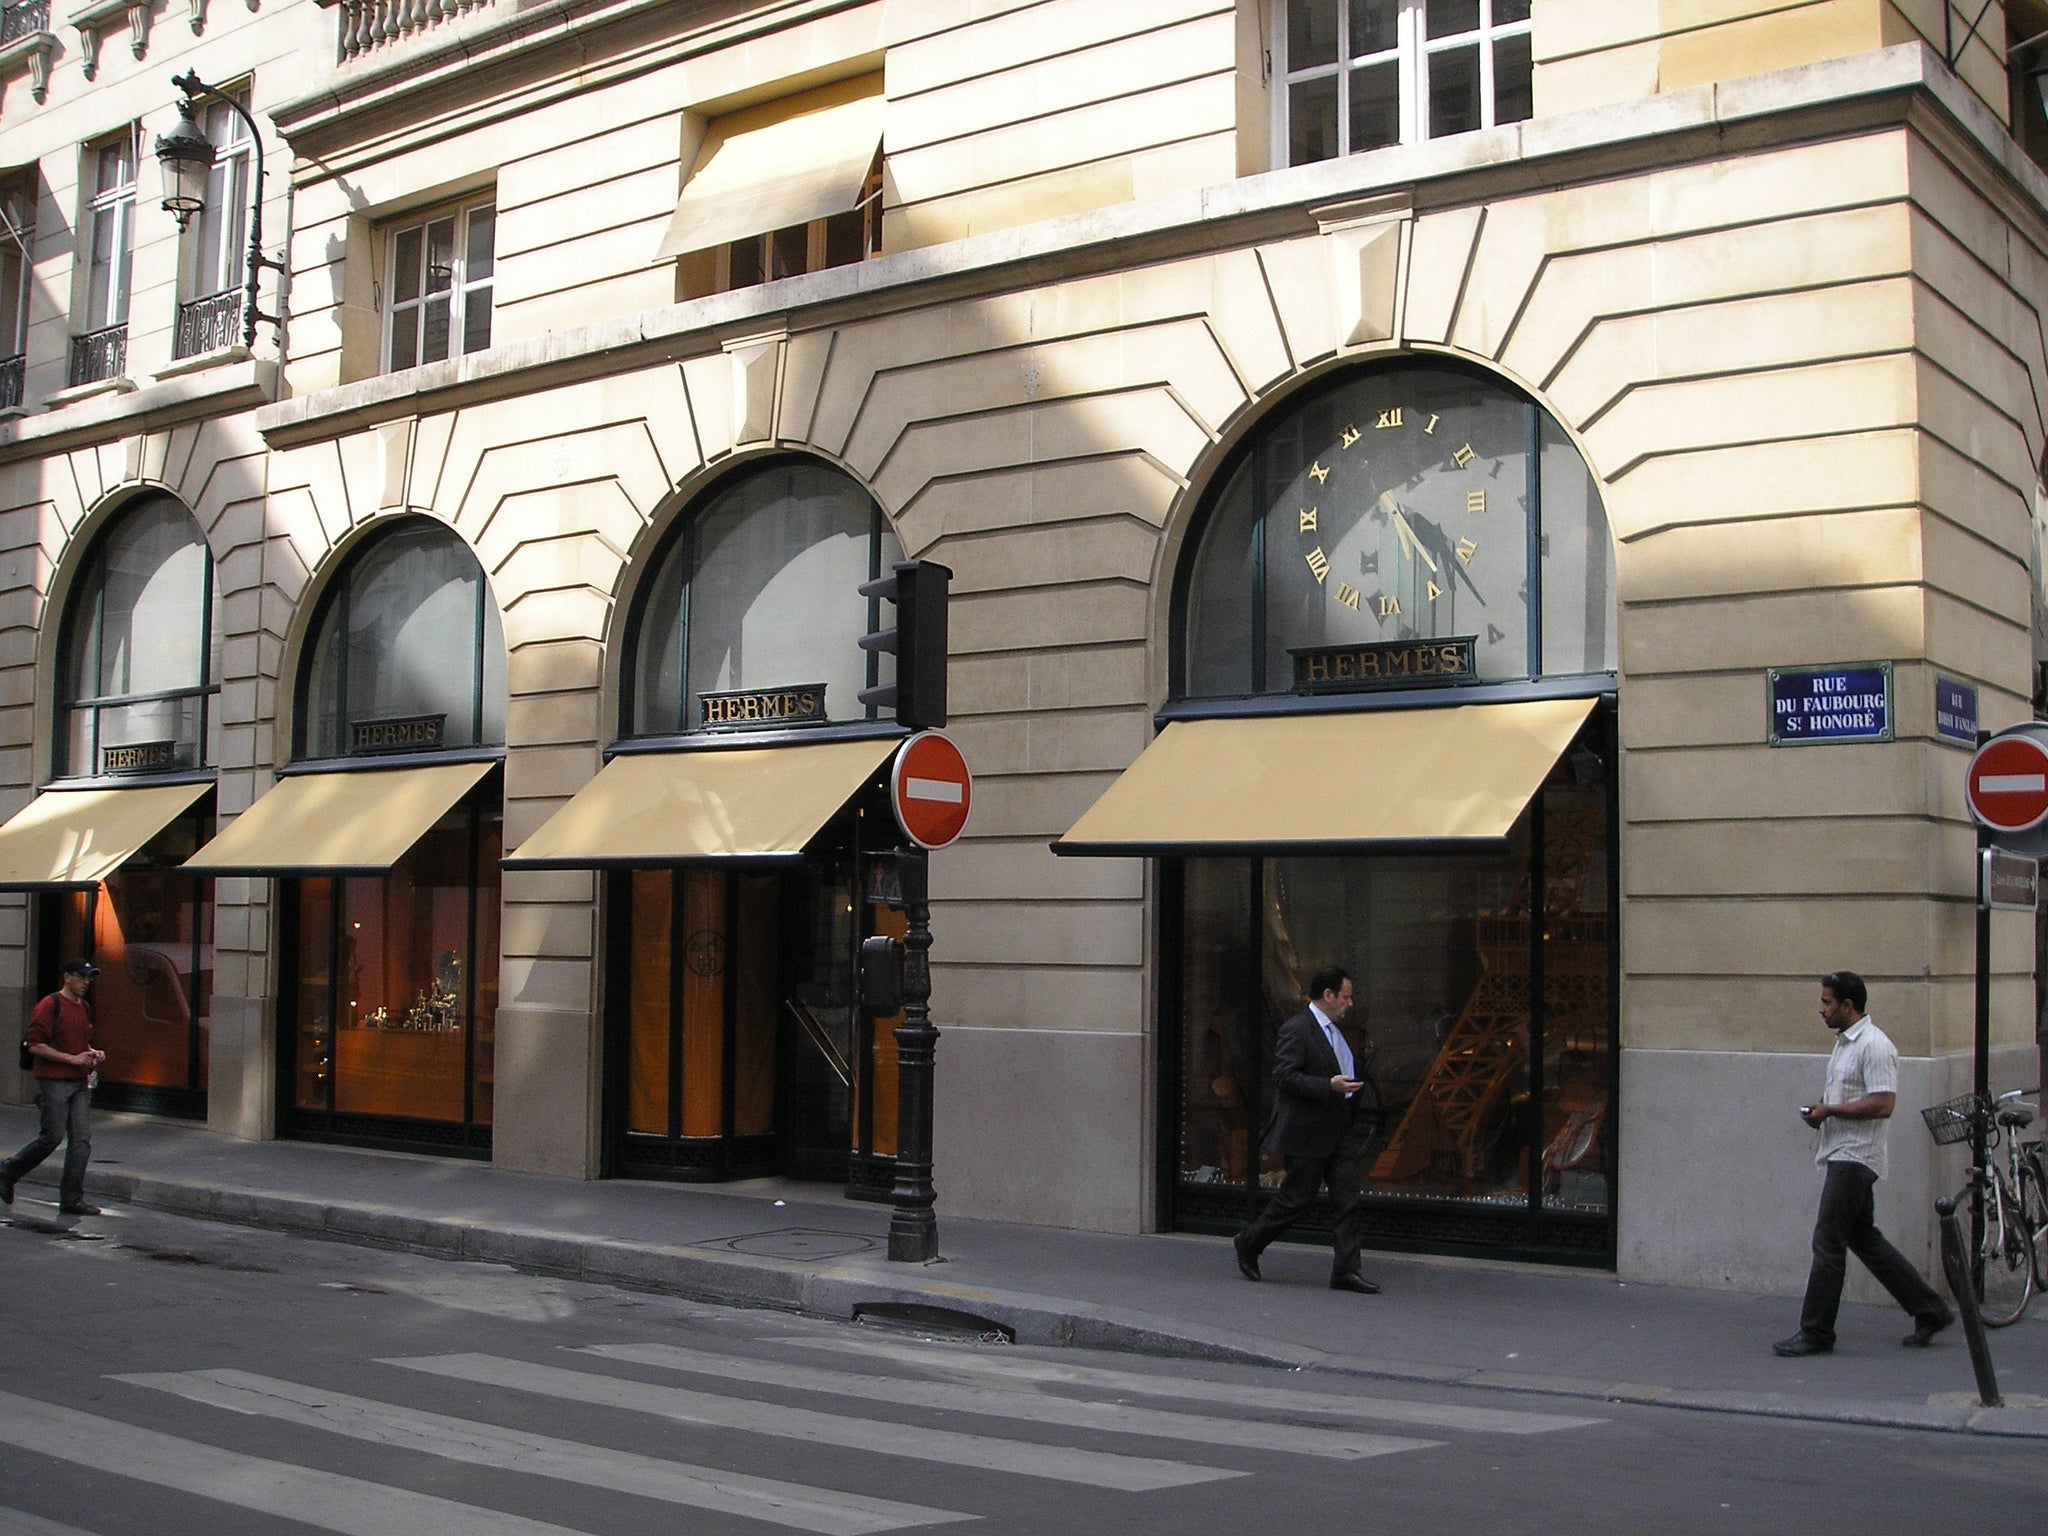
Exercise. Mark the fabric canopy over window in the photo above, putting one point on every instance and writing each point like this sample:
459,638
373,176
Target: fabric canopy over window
338,823
659,808
1327,782
77,837
788,162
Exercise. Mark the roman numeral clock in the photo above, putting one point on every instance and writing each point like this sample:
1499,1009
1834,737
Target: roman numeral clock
1410,522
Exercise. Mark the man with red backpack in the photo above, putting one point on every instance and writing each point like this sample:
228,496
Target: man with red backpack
66,1066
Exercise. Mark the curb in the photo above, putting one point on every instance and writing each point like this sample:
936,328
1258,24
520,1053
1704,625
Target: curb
845,1293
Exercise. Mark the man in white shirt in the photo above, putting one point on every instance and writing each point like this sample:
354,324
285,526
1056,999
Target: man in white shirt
1862,1090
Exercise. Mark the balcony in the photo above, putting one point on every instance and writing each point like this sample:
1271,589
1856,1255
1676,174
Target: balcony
23,18
26,43
367,25
10,382
209,324
99,355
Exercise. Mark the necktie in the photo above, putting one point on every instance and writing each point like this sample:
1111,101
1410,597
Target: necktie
1337,1045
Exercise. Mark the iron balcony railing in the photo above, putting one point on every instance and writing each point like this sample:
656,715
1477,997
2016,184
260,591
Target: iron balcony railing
99,355
208,324
369,24
20,18
10,383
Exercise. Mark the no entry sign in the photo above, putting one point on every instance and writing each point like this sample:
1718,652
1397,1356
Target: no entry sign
2007,786
931,789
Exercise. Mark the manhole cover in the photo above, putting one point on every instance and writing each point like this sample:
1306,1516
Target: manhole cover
797,1243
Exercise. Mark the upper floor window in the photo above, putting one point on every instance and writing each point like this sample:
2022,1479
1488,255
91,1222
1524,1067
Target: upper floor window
760,588
210,313
17,273
438,279
789,187
1417,502
140,648
408,650
1362,74
99,350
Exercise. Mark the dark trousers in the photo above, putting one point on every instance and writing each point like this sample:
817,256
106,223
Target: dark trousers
1848,1224
65,1104
1298,1185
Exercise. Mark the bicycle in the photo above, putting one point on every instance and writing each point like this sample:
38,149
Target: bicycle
2011,1258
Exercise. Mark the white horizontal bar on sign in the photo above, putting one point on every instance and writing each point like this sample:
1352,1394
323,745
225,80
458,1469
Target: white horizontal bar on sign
945,791
2000,784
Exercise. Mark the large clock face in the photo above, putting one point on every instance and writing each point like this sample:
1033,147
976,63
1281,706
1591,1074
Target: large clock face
1394,507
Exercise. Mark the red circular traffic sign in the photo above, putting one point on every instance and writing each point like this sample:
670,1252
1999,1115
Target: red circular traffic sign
931,789
2007,786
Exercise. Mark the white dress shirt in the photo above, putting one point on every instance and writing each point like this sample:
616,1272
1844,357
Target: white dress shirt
1863,1062
1336,1038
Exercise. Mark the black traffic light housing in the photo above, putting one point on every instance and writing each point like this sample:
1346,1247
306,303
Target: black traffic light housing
919,589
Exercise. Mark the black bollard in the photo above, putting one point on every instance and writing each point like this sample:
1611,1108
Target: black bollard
1958,1270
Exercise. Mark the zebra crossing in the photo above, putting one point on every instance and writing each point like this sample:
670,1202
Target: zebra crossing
1070,1423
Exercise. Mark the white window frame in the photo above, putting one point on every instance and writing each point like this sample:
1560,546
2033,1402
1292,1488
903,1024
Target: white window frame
220,235
17,259
1412,49
465,289
116,204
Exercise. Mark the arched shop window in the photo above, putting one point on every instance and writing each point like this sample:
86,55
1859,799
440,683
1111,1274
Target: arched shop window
408,651
394,1011
139,669
141,648
760,590
1401,504
1360,532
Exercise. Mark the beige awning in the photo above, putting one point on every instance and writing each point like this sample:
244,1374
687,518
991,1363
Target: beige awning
657,808
788,162
358,823
1330,782
77,837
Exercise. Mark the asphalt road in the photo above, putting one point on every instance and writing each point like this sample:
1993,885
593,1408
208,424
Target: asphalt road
165,1376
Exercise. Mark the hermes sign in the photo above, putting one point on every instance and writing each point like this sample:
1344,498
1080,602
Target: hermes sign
1384,664
803,704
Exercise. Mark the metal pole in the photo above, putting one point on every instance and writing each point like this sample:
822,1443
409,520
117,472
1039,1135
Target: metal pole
1959,1282
192,85
913,1228
1981,1077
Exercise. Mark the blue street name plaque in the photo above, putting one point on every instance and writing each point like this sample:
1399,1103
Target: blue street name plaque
1815,705
1955,710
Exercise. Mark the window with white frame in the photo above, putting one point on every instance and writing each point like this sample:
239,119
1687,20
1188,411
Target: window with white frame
215,249
1356,75
438,278
17,246
111,219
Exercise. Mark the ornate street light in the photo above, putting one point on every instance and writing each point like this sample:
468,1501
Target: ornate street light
187,156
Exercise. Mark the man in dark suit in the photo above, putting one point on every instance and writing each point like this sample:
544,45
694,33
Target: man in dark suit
1313,1130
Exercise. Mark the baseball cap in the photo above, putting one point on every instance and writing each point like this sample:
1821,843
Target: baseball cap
80,967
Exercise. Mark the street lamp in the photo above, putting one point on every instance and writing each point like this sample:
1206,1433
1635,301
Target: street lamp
187,156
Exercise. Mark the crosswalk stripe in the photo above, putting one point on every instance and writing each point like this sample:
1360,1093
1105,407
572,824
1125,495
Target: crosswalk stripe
994,1402
487,1445
1001,1366
1094,1469
327,1500
19,1522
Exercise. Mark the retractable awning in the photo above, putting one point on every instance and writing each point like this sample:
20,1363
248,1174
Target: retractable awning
659,808
788,162
1325,783
358,823
75,838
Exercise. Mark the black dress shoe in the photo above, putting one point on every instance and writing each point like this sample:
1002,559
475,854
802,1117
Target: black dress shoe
78,1210
1247,1261
1356,1283
1800,1344
1925,1328
6,1191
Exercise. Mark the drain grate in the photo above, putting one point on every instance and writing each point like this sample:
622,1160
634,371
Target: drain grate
797,1243
932,1322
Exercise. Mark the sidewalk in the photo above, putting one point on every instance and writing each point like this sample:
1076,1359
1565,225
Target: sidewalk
801,1247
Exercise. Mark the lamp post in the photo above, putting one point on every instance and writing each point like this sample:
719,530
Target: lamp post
187,156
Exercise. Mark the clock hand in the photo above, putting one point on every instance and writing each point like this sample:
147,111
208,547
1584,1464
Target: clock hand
1415,545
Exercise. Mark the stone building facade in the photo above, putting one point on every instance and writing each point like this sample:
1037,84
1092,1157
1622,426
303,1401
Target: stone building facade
621,335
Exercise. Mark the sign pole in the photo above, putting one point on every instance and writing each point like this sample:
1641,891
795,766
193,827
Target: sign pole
913,1227
1982,1076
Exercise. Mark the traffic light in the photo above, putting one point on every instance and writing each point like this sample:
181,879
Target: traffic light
918,588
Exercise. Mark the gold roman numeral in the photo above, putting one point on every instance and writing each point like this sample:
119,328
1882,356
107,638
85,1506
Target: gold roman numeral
1319,472
1351,435
1318,562
1390,607
1391,418
1464,456
1308,520
1431,428
1347,594
1466,550
1475,501
1435,591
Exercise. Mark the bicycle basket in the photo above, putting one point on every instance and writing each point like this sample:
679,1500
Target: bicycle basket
1952,1122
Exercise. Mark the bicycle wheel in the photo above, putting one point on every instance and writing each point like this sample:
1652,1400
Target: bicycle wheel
2005,1271
2034,1208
